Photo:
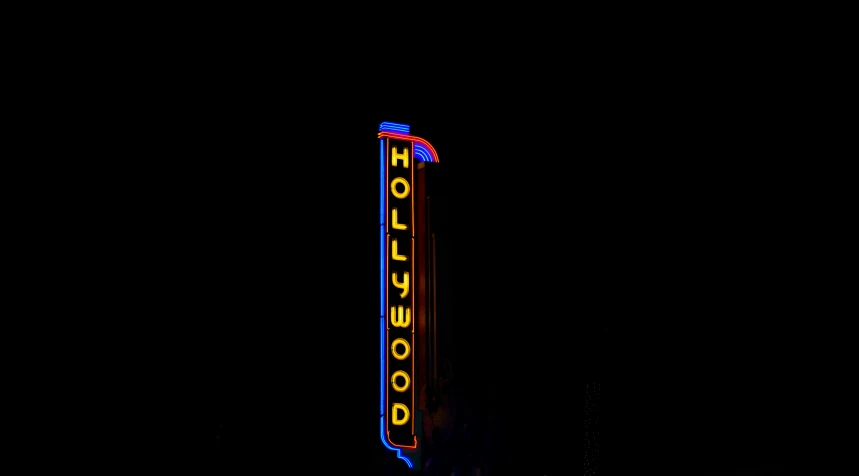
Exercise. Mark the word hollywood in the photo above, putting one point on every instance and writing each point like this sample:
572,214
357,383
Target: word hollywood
401,279
400,329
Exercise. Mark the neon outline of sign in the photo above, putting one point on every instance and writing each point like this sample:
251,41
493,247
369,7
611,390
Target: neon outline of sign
388,354
412,298
424,152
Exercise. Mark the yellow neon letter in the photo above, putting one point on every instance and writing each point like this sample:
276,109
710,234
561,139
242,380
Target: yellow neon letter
394,419
395,156
400,373
405,354
404,285
395,225
397,318
394,253
405,192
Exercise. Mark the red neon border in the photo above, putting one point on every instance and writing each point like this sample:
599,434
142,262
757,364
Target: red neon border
412,273
394,135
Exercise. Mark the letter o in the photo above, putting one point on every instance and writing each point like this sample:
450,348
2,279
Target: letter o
394,349
394,183
404,387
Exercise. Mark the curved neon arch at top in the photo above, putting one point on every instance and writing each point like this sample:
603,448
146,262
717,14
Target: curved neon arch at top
429,149
424,152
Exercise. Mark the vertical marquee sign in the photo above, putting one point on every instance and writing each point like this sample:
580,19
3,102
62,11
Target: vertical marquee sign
400,153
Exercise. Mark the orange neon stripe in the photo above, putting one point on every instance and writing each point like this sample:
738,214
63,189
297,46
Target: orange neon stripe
412,416
412,323
387,184
411,286
387,340
403,446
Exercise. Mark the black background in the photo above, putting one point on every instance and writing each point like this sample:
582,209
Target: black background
664,240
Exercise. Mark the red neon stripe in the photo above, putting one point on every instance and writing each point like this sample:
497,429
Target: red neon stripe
429,146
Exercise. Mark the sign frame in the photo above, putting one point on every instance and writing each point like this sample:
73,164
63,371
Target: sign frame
400,154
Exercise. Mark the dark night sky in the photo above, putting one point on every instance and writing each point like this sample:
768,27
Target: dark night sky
249,223
560,236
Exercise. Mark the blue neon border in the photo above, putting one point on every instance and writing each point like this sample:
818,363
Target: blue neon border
394,127
422,153
383,286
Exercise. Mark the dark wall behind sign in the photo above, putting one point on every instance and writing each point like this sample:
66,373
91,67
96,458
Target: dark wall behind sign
238,246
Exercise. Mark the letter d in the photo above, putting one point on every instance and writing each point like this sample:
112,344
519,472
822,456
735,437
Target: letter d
394,419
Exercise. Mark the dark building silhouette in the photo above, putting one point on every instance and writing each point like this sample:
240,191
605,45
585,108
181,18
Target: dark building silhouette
591,429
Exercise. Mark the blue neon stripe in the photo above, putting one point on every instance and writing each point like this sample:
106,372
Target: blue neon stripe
382,419
397,130
382,211
382,218
394,127
422,153
383,290
382,181
382,342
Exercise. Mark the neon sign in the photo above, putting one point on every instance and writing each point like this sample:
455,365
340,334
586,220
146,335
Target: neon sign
399,154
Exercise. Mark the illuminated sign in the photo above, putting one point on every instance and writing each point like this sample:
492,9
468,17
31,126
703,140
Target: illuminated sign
400,153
